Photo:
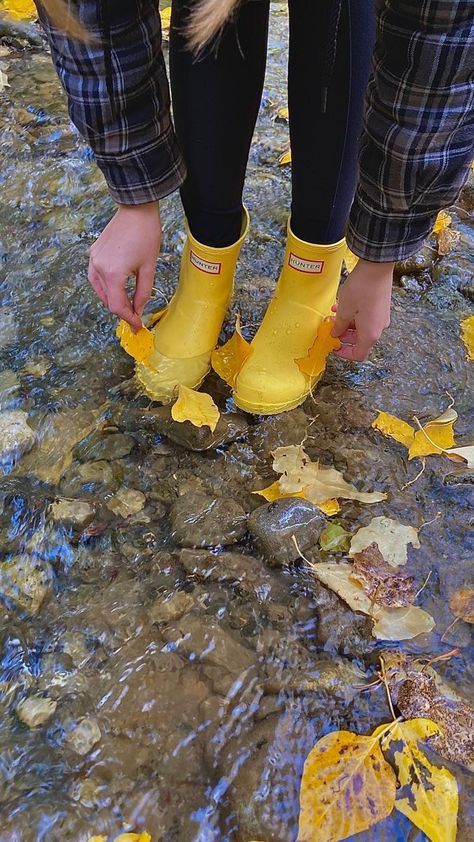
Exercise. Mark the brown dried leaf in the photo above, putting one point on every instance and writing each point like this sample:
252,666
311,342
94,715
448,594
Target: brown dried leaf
380,581
447,240
462,604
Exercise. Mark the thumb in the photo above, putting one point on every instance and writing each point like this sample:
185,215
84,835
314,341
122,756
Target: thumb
143,287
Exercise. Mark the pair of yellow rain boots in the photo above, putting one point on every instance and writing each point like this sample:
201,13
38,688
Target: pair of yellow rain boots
266,377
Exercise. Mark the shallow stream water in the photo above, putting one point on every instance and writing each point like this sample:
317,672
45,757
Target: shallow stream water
191,683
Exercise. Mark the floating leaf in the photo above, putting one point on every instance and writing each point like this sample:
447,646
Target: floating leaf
315,362
435,436
380,582
391,537
428,794
347,787
351,260
285,158
139,345
467,336
389,623
395,428
443,221
334,539
228,360
461,604
462,454
196,407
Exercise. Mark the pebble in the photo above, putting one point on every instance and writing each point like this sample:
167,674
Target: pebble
35,710
91,478
16,436
84,736
273,525
104,446
205,640
75,513
198,520
127,501
26,581
165,611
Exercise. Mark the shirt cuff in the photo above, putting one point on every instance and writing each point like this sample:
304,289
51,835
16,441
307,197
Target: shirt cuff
146,174
379,238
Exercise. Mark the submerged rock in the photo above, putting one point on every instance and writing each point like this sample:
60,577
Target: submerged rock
75,513
104,446
229,428
26,581
91,477
16,436
167,610
8,328
198,520
206,640
273,526
35,710
127,501
84,736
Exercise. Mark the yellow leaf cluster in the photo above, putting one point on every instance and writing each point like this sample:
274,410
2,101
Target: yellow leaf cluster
315,362
196,407
467,336
300,477
139,345
228,360
18,9
435,437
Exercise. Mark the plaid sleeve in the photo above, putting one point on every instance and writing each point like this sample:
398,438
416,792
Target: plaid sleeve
417,141
118,96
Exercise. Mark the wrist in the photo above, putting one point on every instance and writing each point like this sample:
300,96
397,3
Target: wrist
152,208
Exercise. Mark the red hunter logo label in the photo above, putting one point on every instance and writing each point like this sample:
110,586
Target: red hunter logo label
312,267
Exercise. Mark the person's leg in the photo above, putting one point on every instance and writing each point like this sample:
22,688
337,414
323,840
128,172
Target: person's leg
324,144
216,99
330,54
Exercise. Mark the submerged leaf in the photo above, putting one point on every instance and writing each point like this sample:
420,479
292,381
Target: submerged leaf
394,427
274,492
462,604
389,623
228,360
315,362
139,345
334,539
380,582
196,407
391,537
428,794
435,436
467,336
347,787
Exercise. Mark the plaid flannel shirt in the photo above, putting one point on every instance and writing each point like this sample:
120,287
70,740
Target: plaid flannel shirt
417,141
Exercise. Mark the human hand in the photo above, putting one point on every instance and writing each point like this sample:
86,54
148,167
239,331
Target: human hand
129,245
363,309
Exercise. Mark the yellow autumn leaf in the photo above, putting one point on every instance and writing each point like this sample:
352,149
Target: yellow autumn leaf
395,428
350,259
228,360
274,492
283,113
156,317
165,15
133,837
315,361
435,436
467,336
347,787
428,794
389,623
97,839
285,158
18,9
139,345
391,537
443,220
196,407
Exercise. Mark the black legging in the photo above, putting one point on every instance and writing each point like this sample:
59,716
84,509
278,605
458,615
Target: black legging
216,100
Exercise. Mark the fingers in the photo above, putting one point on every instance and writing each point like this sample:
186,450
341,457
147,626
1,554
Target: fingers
144,286
357,345
96,283
120,304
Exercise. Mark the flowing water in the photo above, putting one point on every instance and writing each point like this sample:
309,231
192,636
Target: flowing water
190,684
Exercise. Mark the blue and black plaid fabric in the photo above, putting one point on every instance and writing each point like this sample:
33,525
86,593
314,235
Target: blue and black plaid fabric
418,137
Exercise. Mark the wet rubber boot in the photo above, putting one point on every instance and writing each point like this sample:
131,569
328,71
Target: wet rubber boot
188,329
270,381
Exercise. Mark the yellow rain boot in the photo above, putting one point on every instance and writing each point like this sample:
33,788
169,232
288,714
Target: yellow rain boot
270,381
187,331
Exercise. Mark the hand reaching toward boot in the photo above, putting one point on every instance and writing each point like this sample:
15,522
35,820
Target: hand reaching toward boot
128,247
363,309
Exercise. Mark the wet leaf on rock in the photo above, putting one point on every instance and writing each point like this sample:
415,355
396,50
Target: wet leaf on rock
380,582
389,623
461,604
435,437
334,539
315,361
347,787
196,407
428,794
467,336
139,345
391,537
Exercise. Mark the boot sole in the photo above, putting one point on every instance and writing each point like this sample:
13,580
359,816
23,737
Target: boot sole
269,409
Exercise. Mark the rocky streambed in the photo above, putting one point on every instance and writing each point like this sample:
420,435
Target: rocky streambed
167,658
